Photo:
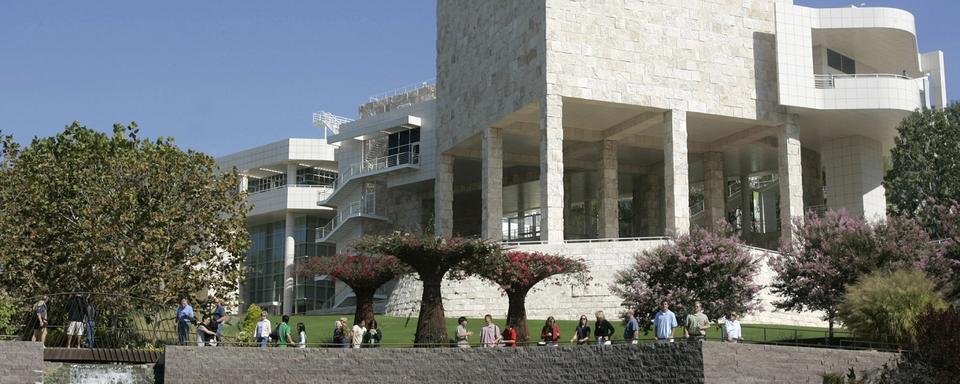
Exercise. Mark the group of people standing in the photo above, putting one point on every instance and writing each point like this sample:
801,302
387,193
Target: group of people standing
209,327
364,334
664,323
81,318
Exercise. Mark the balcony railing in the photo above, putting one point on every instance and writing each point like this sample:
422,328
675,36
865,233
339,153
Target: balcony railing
367,167
366,206
829,81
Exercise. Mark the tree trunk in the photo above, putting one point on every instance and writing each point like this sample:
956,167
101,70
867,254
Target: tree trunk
364,304
431,324
517,315
830,327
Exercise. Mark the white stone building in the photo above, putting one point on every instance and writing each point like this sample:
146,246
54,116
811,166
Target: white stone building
595,128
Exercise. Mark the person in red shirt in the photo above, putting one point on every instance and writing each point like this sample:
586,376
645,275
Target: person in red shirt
510,336
550,333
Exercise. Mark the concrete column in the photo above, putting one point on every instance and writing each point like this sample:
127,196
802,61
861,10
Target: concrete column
292,174
676,177
854,168
244,183
288,267
609,191
492,184
443,197
791,177
653,210
551,168
746,201
636,210
714,189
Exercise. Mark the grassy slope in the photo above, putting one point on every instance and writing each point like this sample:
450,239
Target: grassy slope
400,330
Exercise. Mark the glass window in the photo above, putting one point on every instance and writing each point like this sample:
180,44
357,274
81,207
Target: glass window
266,183
841,63
316,176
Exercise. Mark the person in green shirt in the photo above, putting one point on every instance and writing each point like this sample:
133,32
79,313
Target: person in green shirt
697,323
283,332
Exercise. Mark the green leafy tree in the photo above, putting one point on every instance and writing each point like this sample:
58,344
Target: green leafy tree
86,211
886,306
431,257
925,161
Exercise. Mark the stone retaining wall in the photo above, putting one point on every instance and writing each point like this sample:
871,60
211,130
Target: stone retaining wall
21,362
756,363
677,363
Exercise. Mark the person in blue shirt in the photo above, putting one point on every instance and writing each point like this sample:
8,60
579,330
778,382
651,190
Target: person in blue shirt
664,322
632,329
184,318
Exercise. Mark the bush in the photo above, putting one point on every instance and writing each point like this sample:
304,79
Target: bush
886,306
937,357
8,314
249,325
710,266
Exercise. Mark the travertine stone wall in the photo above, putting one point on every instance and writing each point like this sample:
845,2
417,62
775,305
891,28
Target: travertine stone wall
21,362
492,184
676,363
475,297
676,169
753,363
490,63
714,57
854,169
791,182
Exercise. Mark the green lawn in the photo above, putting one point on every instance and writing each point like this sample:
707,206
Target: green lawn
399,331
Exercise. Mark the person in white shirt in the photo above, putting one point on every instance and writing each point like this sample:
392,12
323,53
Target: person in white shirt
358,330
302,331
731,329
262,334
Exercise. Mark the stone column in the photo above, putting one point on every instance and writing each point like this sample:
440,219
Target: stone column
636,210
854,168
746,200
609,191
551,168
714,189
676,178
492,184
289,248
443,197
791,177
653,210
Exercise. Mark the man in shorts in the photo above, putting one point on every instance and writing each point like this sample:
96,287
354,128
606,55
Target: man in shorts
75,313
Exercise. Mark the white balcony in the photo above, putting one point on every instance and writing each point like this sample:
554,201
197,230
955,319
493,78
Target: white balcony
289,197
870,91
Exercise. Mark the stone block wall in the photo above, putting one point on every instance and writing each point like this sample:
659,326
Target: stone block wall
755,363
21,362
676,363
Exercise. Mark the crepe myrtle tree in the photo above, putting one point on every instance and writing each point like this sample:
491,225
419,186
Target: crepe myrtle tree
363,274
708,265
431,257
517,272
834,251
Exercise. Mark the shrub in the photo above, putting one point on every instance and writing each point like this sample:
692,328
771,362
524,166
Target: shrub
8,314
886,306
711,266
249,324
936,359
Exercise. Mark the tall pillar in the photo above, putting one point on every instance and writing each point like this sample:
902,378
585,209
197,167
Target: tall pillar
244,183
746,201
443,197
791,177
854,168
676,178
551,168
289,247
653,209
636,209
714,189
609,191
492,185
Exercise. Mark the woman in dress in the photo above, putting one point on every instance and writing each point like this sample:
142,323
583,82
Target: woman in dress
581,335
550,333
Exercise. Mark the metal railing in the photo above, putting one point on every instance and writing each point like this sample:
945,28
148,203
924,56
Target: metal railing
329,121
828,81
366,206
403,90
579,241
380,163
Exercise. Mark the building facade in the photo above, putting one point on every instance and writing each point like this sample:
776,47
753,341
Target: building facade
596,129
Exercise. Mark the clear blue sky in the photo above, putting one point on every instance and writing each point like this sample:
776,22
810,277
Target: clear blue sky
221,76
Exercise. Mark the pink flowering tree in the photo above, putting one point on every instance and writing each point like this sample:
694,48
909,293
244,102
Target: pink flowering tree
363,274
833,252
517,272
709,266
431,257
